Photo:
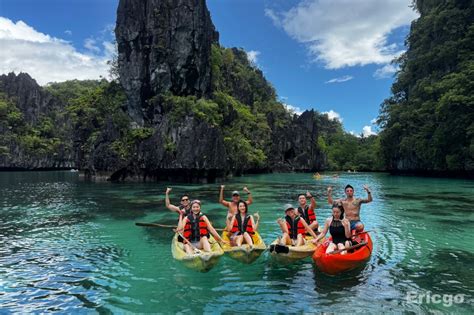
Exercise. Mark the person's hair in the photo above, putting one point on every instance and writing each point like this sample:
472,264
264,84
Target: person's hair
348,186
185,195
196,201
302,195
246,206
340,207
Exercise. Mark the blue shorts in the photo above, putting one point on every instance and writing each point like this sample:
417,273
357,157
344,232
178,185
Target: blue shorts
354,223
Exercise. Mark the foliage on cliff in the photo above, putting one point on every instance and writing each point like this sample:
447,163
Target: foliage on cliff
429,119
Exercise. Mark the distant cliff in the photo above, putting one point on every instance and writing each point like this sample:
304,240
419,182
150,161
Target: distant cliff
428,120
184,108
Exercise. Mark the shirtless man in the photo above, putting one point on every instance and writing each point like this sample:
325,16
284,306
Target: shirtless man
352,206
232,205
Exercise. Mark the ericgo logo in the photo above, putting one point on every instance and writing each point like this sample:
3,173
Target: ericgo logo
446,300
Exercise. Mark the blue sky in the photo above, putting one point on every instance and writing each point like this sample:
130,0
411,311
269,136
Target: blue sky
330,55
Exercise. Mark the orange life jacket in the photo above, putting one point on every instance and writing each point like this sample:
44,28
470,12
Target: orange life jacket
242,228
195,228
307,214
295,227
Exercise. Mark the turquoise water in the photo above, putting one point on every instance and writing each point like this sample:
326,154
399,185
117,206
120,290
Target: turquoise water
72,246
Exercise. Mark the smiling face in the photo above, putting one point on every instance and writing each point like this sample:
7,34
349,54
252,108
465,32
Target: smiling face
336,213
196,208
235,198
242,207
291,213
349,192
302,200
185,201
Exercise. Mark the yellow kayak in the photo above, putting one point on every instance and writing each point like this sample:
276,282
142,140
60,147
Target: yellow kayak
200,261
289,254
245,253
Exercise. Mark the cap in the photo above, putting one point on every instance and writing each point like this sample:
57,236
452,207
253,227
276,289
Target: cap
288,207
235,192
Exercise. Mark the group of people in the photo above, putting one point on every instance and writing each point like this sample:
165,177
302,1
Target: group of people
195,228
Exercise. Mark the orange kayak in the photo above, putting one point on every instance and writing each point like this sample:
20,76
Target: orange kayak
336,263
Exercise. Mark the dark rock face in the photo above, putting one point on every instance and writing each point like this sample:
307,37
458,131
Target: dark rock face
29,97
294,147
164,45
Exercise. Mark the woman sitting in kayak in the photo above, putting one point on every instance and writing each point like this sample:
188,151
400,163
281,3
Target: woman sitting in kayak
294,228
339,228
195,228
242,226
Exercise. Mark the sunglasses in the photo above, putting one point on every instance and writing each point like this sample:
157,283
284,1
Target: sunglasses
185,199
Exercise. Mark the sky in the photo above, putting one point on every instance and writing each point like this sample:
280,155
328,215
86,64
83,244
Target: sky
333,56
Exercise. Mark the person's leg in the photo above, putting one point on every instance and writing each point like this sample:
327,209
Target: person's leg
248,239
300,240
189,250
205,244
285,239
330,248
238,240
341,246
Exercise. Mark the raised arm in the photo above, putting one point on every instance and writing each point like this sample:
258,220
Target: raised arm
369,195
230,223
249,198
330,201
221,198
255,223
312,200
168,204
283,227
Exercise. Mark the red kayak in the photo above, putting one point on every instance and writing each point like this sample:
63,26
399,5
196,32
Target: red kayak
336,263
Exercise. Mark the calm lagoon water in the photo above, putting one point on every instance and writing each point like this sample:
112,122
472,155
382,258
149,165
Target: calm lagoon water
72,246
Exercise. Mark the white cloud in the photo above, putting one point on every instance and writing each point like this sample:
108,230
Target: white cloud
46,58
90,44
252,56
293,109
386,71
340,79
341,33
367,131
273,16
332,115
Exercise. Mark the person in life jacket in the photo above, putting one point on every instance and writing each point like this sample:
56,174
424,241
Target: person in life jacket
196,228
183,209
308,213
293,228
242,226
339,228
232,205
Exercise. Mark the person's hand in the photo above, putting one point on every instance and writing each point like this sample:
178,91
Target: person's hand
257,216
280,221
168,189
329,190
222,186
246,190
315,240
366,188
308,194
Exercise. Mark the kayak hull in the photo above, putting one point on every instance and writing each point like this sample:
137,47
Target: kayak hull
293,253
245,253
334,264
202,261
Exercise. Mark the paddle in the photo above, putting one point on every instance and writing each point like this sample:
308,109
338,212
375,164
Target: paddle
363,232
162,225
187,241
154,225
351,247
